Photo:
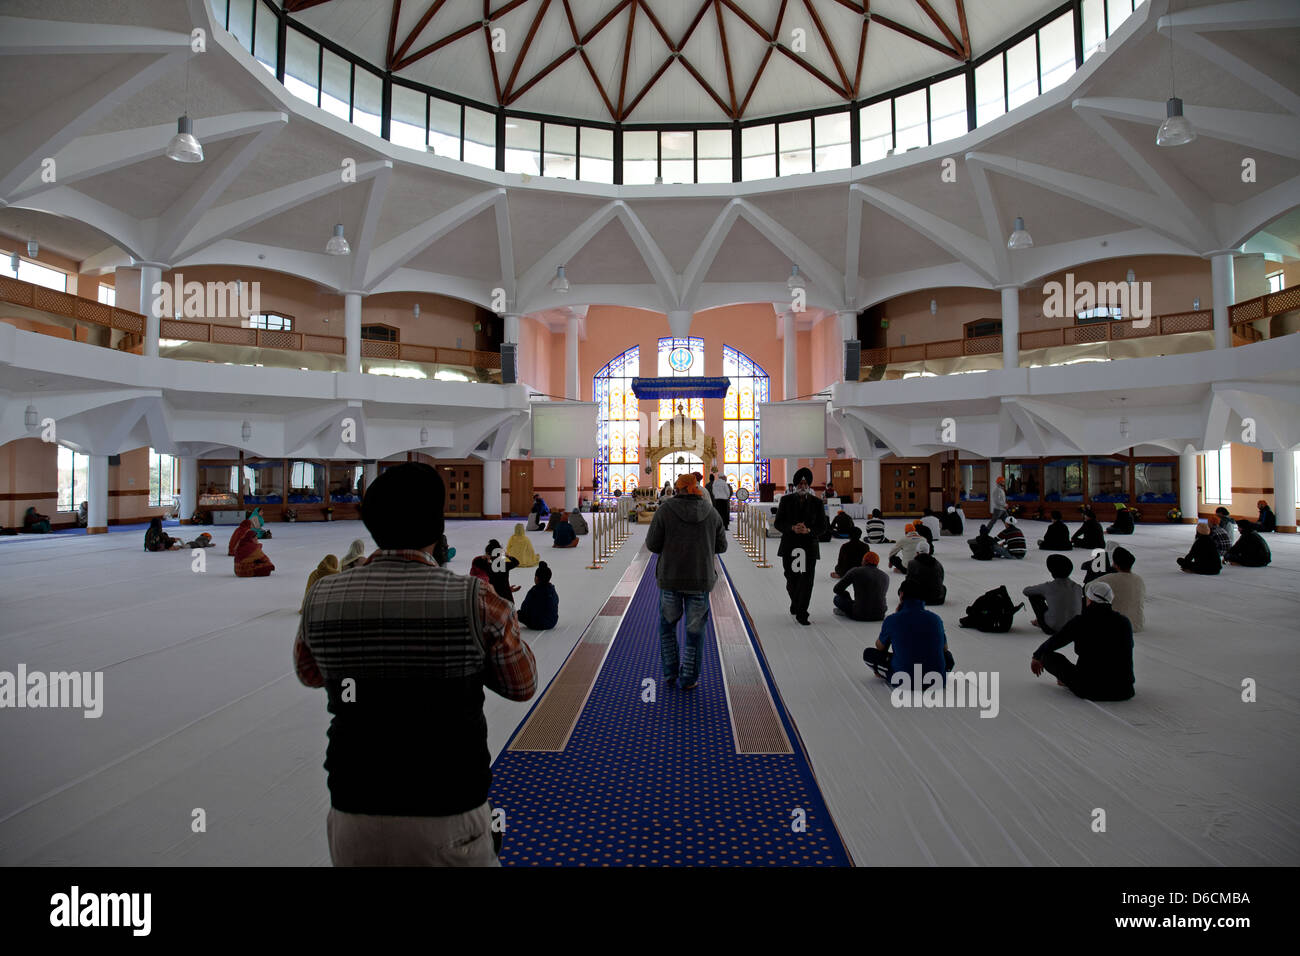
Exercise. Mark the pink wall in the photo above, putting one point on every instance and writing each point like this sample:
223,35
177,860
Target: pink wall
29,477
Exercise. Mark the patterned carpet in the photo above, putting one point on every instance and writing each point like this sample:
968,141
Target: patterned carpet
659,783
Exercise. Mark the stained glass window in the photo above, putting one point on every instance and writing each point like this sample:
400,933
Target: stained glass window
618,444
681,358
740,437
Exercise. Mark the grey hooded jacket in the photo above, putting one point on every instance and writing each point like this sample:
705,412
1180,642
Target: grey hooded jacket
686,533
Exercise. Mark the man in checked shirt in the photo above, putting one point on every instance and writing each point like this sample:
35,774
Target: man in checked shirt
404,648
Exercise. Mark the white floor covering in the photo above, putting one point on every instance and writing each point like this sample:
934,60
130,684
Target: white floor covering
203,711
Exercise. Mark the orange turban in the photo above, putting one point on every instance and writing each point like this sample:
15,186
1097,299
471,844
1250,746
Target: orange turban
687,485
871,558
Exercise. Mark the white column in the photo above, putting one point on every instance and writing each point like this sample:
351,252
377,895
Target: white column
510,331
790,375
1222,285
1187,503
150,274
571,465
848,322
369,472
352,330
1284,490
491,489
1010,326
189,487
679,322
870,483
96,496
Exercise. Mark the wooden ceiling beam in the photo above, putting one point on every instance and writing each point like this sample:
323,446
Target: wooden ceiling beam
492,59
591,69
415,31
965,33
523,53
830,47
918,37
767,55
627,56
862,56
943,27
847,94
726,60
392,33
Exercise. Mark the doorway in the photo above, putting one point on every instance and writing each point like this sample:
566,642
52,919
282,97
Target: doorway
842,478
521,486
904,487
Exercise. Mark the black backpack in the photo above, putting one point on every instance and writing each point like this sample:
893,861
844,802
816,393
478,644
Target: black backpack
992,611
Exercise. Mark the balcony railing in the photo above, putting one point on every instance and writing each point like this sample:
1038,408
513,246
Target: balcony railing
1240,316
74,307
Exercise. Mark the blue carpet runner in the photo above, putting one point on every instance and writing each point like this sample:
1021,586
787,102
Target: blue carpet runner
660,784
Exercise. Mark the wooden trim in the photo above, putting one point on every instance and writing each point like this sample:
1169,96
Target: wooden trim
96,531
131,493
1251,491
28,496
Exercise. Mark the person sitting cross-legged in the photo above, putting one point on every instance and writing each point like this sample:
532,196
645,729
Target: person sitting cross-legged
851,553
905,550
1129,590
521,549
1058,601
953,521
1103,644
910,636
1123,521
842,525
1219,535
1267,519
1057,537
926,574
1227,523
869,587
562,532
1251,550
1203,558
1089,535
1011,541
983,547
540,610
876,528
156,539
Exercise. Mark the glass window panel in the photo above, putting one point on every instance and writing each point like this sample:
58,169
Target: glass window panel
302,66
444,128
523,146
640,157
990,91
1063,480
909,115
597,146
368,102
1118,11
1094,26
1153,482
973,482
758,152
561,159
345,479
480,138
715,155
407,126
948,109
107,294
740,441
1022,482
618,441
1056,47
241,22
877,135
36,274
796,148
1107,480
336,75
1022,72
265,39
832,136
678,148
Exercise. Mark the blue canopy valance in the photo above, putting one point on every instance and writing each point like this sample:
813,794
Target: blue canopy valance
683,387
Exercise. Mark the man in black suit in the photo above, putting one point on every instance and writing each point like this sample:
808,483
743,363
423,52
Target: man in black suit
801,519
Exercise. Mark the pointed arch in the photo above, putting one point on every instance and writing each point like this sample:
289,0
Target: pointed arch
741,442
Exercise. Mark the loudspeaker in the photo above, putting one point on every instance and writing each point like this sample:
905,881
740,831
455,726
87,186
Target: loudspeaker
114,461
852,360
509,363
1268,457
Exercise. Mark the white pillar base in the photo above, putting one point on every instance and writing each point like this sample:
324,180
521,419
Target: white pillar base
1284,491
189,489
97,497
491,489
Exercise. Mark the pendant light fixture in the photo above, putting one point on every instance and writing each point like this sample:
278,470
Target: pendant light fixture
797,280
246,431
337,244
560,284
1020,237
33,248
184,148
415,310
15,261
30,418
1175,130
424,437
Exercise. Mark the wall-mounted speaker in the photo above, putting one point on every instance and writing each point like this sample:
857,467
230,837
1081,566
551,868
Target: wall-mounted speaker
114,461
852,360
509,363
1268,457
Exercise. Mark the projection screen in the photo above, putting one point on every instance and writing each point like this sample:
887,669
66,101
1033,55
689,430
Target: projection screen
564,429
792,429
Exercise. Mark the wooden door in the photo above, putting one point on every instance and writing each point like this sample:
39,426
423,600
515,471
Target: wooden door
842,478
463,483
521,486
904,487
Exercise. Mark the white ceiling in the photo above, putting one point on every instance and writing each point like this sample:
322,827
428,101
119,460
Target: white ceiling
1083,172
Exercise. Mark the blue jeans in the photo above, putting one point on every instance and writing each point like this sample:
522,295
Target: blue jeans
671,606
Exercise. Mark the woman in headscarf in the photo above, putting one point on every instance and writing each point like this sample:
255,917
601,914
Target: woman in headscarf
328,565
500,564
356,555
250,560
244,528
521,549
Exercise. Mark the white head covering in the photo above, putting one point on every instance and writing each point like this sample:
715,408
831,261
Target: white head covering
923,547
1099,592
